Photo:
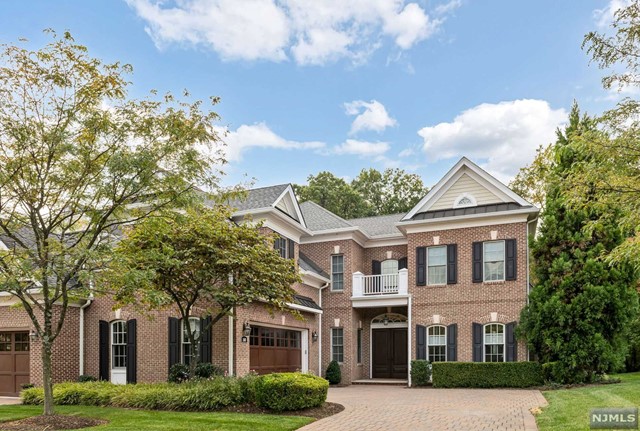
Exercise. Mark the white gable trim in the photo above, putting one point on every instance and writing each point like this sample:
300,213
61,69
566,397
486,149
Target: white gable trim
296,208
475,172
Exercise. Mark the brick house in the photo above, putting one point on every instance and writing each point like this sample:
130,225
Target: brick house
444,282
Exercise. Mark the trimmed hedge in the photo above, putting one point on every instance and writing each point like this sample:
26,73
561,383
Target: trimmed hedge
290,391
334,375
487,374
420,372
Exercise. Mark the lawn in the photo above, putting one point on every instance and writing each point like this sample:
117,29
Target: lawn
140,420
569,408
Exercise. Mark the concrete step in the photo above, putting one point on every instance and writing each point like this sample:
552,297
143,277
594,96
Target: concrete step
389,382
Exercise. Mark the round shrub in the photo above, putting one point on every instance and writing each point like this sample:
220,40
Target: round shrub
178,373
334,375
206,370
86,378
290,391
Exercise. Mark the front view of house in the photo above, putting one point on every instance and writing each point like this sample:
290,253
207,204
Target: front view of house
444,282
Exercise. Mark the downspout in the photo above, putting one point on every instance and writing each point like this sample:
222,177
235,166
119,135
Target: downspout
81,335
231,345
320,330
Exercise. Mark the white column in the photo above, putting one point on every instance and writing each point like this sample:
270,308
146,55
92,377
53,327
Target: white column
403,281
358,281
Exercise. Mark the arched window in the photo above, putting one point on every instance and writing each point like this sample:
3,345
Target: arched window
187,351
465,200
389,266
437,343
119,344
494,342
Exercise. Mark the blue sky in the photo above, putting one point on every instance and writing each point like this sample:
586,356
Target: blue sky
310,85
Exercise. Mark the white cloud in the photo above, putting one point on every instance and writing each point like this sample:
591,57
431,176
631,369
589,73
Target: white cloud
355,147
605,16
310,31
503,135
448,7
369,116
259,135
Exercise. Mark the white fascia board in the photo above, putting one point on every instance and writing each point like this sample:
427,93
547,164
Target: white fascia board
372,302
303,308
317,277
386,242
351,233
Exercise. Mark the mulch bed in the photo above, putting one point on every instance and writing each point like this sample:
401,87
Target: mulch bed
47,423
325,410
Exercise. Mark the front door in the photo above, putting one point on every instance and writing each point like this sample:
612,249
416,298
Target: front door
389,351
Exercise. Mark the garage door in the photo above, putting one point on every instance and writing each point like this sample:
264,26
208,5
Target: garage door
14,362
274,350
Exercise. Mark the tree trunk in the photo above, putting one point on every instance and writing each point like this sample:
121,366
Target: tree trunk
47,382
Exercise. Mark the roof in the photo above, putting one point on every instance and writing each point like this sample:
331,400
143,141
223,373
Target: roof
305,301
262,197
308,265
480,209
318,218
379,225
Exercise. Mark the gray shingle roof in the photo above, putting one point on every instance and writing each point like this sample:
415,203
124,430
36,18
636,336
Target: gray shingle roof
309,265
318,218
480,209
262,197
305,301
378,225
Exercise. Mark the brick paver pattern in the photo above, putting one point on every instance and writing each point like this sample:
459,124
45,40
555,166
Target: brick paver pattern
397,408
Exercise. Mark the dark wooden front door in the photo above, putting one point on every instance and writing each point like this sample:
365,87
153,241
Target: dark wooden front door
389,350
274,350
14,362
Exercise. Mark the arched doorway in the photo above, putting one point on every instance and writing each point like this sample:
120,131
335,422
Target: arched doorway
389,356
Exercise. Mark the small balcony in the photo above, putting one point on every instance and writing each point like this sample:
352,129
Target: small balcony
380,290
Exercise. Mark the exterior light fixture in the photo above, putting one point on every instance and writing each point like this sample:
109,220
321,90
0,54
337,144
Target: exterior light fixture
314,336
33,335
385,321
246,329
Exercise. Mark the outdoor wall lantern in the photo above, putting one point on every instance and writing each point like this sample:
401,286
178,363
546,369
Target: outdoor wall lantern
33,335
314,336
246,329
385,321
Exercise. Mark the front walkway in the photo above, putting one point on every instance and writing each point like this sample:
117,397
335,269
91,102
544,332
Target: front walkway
5,401
401,408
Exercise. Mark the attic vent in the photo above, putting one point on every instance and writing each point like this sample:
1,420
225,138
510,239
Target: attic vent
465,200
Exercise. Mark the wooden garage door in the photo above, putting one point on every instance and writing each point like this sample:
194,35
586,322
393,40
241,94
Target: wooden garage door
274,350
14,362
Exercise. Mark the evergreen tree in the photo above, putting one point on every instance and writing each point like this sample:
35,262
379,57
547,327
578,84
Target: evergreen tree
581,307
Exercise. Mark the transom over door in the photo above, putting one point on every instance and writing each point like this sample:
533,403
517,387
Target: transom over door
389,353
14,362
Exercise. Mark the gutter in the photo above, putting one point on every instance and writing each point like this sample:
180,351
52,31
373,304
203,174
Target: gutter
81,331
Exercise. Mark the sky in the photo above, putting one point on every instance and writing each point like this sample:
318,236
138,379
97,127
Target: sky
343,85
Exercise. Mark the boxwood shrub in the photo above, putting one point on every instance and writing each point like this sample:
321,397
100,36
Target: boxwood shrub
487,375
420,372
290,391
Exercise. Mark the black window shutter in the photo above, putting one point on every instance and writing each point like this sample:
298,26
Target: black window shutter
477,342
477,262
402,263
452,264
452,342
104,350
174,341
132,353
511,268
292,248
512,344
421,342
421,266
205,339
376,267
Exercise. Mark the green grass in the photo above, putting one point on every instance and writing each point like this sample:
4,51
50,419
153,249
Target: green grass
142,420
569,408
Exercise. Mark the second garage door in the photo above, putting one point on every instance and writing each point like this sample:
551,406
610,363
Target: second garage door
275,350
14,362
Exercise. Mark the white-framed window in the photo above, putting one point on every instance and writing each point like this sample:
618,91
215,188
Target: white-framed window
187,351
119,344
337,272
437,265
389,267
337,344
437,343
494,342
493,260
465,200
282,245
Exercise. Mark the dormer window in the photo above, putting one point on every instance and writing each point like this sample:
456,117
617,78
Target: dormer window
465,200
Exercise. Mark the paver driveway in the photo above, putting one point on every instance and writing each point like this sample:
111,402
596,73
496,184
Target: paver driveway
397,408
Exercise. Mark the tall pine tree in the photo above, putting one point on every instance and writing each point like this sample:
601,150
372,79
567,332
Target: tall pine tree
581,306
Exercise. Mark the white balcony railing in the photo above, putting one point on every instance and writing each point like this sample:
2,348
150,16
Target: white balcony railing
379,285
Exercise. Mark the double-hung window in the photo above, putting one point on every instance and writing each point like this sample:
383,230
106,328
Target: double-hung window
437,343
493,260
437,265
494,342
187,350
337,272
337,344
119,344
